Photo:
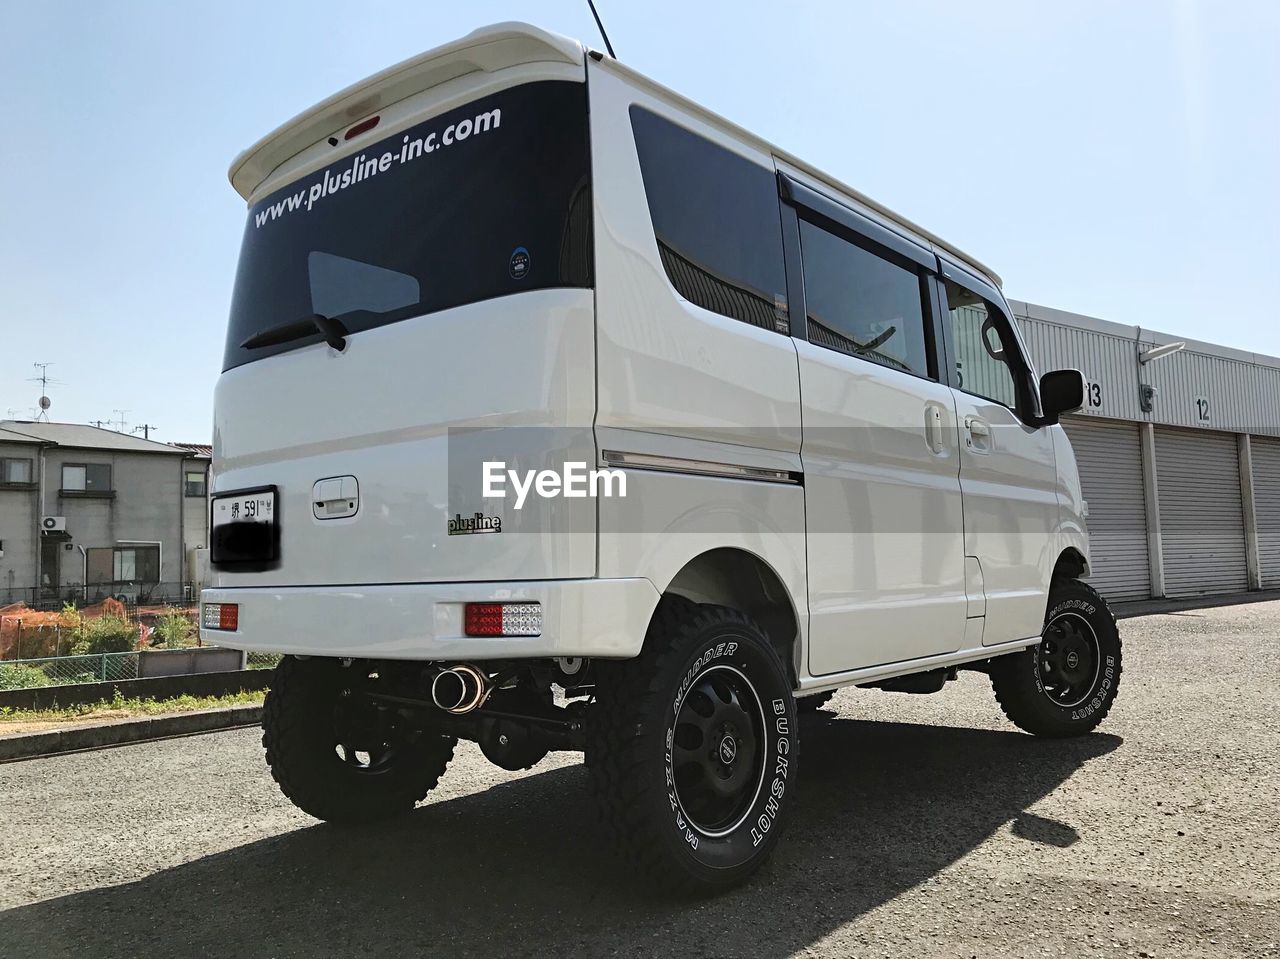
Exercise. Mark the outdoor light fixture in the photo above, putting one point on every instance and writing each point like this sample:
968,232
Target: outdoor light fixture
1158,352
1147,397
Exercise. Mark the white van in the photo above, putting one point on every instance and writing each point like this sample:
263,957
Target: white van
826,455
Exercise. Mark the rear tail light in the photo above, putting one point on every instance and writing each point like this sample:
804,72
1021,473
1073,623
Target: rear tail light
220,616
503,619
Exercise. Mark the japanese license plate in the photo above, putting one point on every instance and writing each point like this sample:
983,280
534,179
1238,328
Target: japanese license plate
255,507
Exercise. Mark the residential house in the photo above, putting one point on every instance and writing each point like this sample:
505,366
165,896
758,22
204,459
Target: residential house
87,512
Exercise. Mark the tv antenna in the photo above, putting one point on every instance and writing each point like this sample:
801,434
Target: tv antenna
122,423
604,36
45,381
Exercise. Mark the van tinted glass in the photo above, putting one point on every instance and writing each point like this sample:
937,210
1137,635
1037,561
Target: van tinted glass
486,200
861,303
715,216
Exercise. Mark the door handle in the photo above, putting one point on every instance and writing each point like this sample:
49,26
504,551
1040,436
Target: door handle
977,434
933,434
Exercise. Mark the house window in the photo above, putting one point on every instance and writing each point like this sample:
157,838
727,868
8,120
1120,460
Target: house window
86,478
193,483
123,564
137,564
15,471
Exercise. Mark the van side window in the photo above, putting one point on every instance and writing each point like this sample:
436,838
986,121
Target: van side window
983,355
861,303
716,219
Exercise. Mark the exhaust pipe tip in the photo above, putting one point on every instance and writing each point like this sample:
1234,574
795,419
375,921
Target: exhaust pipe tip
460,689
448,690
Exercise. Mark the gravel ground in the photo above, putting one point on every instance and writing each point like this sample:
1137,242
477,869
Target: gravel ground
926,826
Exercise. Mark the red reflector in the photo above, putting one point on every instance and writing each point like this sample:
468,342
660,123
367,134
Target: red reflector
229,616
364,126
483,619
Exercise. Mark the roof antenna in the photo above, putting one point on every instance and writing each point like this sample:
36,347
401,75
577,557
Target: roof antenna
607,45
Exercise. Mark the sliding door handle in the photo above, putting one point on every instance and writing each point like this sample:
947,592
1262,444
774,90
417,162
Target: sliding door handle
934,437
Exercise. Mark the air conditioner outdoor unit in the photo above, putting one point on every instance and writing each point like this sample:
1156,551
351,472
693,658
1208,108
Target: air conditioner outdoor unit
54,524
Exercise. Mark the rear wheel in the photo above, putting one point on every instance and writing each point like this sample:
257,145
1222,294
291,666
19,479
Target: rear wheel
1065,685
337,756
692,751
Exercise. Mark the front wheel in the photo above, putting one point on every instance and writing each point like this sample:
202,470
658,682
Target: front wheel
1065,685
692,751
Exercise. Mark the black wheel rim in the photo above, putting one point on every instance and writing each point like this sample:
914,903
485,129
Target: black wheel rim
1069,658
718,751
362,743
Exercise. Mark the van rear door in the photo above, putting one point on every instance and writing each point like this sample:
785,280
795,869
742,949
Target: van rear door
417,306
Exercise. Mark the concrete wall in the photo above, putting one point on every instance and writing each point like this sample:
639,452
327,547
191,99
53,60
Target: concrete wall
198,684
19,513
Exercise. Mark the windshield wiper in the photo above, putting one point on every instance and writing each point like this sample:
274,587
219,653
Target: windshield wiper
334,333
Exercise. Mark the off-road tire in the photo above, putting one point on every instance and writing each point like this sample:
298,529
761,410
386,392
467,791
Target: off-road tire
1019,679
811,704
298,723
638,749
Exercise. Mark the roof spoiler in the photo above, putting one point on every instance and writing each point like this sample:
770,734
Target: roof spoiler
481,51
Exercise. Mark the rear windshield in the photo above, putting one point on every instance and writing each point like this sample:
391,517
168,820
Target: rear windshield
489,199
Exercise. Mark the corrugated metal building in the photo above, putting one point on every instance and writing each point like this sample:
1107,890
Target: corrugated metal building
1184,495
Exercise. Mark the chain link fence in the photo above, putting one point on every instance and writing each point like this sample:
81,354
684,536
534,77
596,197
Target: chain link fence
96,668
253,660
64,670
132,595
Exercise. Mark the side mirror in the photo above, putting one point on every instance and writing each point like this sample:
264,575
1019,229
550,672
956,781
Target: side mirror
1061,391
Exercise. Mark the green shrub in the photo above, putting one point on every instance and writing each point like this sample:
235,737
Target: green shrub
70,616
22,676
175,630
107,634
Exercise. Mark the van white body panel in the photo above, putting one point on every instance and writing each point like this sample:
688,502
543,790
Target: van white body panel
388,411
683,382
403,622
668,368
885,521
1011,514
1071,532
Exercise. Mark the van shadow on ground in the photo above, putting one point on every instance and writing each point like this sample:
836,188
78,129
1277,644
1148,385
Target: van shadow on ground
521,869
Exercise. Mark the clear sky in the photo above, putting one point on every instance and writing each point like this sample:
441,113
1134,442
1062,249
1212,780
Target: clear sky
1115,159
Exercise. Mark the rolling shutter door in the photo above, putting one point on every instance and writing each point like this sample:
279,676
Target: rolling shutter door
1109,457
1266,500
1201,514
